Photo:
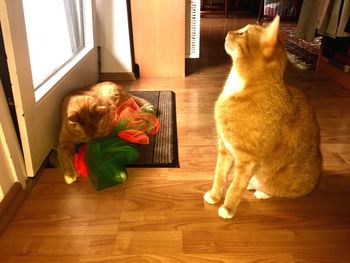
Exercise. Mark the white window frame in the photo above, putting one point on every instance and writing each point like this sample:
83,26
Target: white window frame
78,54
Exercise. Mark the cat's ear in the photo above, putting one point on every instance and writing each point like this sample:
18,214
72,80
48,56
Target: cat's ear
73,116
270,36
101,110
271,31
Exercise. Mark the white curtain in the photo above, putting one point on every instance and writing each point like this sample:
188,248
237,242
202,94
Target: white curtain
329,17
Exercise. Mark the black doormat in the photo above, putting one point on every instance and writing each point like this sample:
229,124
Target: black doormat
162,151
163,148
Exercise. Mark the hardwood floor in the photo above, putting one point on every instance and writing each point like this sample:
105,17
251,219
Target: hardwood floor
158,215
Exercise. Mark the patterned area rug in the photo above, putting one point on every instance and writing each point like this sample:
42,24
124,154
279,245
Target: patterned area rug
302,54
163,148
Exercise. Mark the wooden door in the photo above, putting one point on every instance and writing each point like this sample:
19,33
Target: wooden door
159,37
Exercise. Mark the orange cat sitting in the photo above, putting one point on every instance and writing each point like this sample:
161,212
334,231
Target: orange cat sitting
266,131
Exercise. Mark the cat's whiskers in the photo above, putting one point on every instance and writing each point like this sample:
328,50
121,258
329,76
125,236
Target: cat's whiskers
234,83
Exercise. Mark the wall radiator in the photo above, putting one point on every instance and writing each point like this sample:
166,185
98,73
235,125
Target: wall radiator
192,22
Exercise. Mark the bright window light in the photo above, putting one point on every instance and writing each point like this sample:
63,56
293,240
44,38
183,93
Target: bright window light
59,34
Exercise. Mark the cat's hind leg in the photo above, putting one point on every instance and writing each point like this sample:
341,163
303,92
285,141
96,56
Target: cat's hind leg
223,167
250,187
261,195
254,184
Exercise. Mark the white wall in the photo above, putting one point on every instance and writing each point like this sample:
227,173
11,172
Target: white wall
113,36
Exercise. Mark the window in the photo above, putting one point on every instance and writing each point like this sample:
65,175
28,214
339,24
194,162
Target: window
59,34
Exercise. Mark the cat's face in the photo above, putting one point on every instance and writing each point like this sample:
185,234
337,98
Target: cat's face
253,43
90,120
243,41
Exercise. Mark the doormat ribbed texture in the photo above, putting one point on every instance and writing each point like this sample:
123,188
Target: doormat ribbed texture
163,148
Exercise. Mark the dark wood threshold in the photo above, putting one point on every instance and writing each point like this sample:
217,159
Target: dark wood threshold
117,76
13,201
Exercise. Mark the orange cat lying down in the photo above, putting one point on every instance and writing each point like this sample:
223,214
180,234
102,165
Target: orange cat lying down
89,113
267,132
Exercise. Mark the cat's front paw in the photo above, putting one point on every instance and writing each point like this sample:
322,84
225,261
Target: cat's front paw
69,179
210,199
226,213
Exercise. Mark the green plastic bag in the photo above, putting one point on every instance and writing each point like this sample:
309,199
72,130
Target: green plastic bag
106,160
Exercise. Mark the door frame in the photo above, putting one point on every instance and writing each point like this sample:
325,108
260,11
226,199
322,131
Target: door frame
15,169
12,22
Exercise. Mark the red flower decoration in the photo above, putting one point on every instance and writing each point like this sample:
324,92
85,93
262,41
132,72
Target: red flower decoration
134,136
79,161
